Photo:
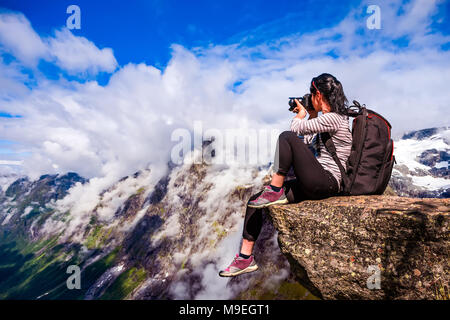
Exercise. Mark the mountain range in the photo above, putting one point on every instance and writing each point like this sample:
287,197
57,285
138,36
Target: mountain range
165,238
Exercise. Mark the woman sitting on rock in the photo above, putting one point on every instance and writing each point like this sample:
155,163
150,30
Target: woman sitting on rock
316,177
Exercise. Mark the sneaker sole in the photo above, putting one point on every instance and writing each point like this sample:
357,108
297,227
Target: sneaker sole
284,201
246,270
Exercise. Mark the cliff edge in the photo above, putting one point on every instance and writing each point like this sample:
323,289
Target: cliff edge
367,247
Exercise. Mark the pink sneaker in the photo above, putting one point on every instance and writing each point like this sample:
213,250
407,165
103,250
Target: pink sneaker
239,266
268,197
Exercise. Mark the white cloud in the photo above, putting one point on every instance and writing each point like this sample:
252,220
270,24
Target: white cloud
12,81
7,176
74,54
415,17
78,55
19,39
97,196
11,162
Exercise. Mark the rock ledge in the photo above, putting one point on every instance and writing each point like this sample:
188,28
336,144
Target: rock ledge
336,246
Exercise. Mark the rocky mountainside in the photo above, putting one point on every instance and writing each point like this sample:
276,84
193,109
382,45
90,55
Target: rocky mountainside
141,240
333,244
153,236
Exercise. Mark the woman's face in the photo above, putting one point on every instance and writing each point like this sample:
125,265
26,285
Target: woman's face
317,100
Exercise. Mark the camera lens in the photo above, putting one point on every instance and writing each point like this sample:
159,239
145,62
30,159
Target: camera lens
306,102
292,104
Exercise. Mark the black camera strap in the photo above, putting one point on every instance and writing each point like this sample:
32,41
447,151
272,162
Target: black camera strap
331,148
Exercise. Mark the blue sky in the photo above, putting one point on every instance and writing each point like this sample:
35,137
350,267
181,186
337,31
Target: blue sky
142,31
101,94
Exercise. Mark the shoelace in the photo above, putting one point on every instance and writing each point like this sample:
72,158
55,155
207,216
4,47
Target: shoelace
236,258
234,261
266,189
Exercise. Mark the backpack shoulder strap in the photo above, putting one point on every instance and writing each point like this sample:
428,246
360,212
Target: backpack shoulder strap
355,110
329,145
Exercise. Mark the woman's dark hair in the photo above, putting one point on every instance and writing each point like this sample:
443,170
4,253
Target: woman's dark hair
332,90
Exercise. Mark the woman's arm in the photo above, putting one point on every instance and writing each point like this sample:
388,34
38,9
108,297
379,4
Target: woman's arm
328,122
301,114
307,138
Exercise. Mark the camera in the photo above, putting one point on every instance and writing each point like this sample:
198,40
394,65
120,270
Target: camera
305,101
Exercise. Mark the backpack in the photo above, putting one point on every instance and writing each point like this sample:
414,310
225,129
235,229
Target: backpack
371,159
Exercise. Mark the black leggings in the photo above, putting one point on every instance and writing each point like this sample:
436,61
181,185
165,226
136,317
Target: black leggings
312,180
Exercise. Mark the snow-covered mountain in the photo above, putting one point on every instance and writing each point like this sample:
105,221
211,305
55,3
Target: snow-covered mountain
422,168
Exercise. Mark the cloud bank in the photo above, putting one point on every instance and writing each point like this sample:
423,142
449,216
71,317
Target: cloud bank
401,71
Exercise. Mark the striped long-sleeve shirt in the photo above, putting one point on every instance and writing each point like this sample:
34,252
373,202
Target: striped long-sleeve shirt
338,127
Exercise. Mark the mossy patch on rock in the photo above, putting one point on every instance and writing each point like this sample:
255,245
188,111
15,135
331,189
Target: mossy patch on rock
125,284
98,237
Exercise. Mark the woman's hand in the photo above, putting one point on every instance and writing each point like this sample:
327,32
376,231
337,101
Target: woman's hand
299,110
302,112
